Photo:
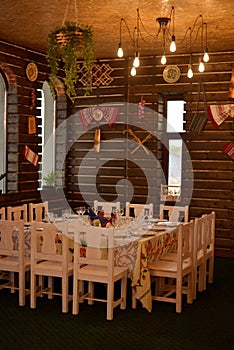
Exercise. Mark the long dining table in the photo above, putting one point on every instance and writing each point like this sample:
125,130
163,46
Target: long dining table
135,251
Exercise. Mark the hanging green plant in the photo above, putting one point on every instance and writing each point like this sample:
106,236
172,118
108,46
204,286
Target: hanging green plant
70,43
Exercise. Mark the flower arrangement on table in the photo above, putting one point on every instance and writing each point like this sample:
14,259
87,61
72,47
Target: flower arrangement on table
100,220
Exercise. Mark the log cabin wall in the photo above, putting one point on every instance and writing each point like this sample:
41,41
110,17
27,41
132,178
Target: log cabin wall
22,176
213,169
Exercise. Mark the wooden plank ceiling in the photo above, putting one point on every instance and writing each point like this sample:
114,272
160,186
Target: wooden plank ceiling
27,23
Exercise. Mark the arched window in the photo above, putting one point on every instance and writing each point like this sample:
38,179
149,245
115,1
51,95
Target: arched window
2,132
47,109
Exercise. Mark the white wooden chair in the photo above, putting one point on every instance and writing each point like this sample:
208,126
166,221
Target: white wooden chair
12,255
49,259
37,211
107,207
174,213
97,266
19,212
181,270
198,260
132,209
2,213
209,246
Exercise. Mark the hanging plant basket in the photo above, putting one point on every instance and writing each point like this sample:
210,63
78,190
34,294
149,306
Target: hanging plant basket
67,45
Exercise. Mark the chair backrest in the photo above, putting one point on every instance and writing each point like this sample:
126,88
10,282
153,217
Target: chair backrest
174,213
132,209
47,243
2,213
200,224
210,231
37,211
185,245
17,213
99,247
12,239
107,207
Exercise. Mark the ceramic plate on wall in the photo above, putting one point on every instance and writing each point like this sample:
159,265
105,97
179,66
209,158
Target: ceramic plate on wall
32,71
171,74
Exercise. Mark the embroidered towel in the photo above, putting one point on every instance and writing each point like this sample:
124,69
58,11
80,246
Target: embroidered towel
31,156
219,113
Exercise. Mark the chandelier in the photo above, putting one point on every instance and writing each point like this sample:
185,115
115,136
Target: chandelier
166,28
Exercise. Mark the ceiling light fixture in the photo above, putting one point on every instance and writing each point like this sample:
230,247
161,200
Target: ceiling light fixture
168,40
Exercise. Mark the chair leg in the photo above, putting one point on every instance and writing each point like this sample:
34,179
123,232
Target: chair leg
200,279
190,291
204,274
211,270
12,281
33,291
50,287
110,299
22,288
123,292
178,295
75,302
91,293
65,294
134,300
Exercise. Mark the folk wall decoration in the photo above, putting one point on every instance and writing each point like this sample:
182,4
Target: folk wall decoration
110,114
100,75
219,113
32,125
33,98
229,149
198,122
31,156
97,140
138,140
141,108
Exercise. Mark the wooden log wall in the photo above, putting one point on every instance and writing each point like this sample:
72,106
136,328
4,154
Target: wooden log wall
213,169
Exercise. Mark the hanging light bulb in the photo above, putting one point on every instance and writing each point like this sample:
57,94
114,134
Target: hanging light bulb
163,59
190,71
173,44
133,71
206,56
201,66
120,51
136,62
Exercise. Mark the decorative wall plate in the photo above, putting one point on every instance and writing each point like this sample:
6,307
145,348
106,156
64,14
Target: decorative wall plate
32,71
171,74
97,115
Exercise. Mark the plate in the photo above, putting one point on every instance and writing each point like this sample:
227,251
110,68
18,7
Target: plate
97,115
171,74
32,71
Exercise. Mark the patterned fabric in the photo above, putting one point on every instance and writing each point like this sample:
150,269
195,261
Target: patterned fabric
198,123
110,114
149,251
141,108
219,113
229,149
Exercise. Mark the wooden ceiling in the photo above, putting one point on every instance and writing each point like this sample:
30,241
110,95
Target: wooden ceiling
27,23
